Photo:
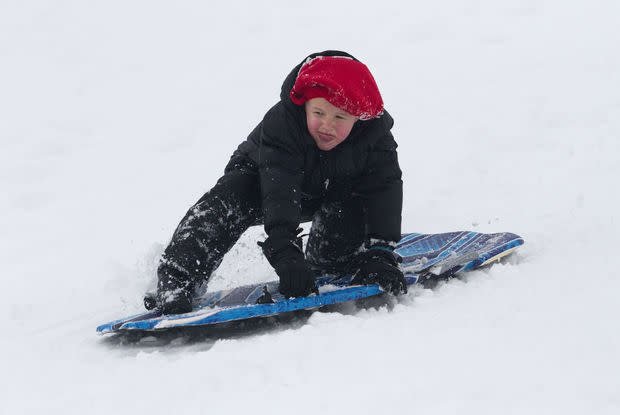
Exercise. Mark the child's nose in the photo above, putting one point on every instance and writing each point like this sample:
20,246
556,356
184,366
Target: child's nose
327,123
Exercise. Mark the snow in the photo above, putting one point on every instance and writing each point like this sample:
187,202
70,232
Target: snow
116,116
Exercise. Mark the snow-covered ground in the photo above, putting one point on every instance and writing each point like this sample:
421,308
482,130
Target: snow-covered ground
116,116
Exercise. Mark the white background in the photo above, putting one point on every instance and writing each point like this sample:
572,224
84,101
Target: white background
116,116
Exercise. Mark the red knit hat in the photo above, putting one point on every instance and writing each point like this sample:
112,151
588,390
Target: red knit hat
344,82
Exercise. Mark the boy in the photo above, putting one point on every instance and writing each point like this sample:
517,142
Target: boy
323,153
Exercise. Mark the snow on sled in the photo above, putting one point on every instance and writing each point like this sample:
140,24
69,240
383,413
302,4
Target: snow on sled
421,257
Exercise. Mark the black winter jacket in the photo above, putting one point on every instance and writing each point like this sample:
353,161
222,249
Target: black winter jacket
292,168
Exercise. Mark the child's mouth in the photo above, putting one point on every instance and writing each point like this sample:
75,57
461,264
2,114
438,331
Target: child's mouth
325,137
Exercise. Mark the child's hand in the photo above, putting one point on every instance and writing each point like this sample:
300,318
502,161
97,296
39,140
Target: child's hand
284,253
296,278
377,266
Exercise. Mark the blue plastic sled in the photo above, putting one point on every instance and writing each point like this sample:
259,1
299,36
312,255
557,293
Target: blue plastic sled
420,256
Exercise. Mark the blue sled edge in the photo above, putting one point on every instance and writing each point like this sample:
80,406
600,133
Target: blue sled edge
220,315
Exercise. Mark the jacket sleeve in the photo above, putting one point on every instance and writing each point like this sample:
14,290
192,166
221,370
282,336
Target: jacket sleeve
381,189
280,164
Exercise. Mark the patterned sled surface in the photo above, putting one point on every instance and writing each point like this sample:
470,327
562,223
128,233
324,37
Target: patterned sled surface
420,256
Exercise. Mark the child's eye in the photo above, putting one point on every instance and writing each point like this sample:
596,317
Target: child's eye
340,117
318,113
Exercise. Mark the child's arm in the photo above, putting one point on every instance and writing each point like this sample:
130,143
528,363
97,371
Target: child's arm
280,167
280,163
381,188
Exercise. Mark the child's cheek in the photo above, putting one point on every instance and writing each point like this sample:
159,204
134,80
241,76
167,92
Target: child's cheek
343,131
313,125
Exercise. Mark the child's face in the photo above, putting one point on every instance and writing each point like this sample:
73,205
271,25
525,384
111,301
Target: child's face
327,124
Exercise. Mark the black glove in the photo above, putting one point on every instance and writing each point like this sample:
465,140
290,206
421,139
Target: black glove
378,266
284,253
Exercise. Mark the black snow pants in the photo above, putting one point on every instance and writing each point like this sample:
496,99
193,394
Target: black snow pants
214,224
